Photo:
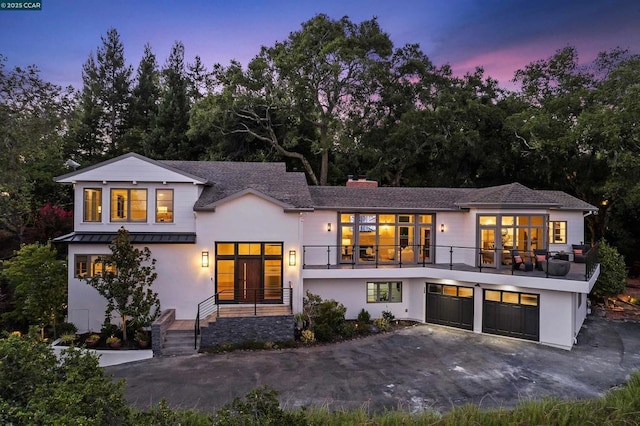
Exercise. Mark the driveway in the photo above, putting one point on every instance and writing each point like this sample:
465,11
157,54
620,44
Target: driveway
416,368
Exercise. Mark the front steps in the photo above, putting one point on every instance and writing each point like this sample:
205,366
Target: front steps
179,342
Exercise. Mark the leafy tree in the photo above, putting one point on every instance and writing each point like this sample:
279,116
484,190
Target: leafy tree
33,114
37,388
169,138
300,95
52,221
128,290
199,80
40,285
612,278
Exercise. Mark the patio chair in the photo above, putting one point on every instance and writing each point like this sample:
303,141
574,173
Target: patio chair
517,260
540,256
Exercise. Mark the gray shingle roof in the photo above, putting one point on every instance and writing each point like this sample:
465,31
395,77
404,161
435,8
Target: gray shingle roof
228,178
512,195
134,237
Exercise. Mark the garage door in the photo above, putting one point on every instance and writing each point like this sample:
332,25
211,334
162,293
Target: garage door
450,305
512,314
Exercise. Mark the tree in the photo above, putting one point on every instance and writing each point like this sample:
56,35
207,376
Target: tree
143,110
33,114
38,388
100,123
40,285
612,278
128,290
300,95
169,138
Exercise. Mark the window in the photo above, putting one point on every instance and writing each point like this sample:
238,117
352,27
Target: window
92,205
90,265
388,237
558,232
384,292
164,205
128,205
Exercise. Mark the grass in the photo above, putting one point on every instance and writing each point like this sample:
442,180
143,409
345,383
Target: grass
619,406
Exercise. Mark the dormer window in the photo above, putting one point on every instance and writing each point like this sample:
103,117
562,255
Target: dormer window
128,205
92,205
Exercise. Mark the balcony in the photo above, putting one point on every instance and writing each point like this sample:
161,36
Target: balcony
458,258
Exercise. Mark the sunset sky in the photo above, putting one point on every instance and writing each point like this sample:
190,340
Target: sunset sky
500,35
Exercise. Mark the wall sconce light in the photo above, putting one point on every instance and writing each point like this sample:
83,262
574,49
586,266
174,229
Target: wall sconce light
329,227
442,227
205,259
292,258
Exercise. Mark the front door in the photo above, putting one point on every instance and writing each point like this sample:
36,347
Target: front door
249,279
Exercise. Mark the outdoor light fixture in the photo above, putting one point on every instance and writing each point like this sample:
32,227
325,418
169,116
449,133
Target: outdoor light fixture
205,259
329,227
292,258
442,227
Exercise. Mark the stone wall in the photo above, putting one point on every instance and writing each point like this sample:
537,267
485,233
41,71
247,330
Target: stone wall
159,330
247,329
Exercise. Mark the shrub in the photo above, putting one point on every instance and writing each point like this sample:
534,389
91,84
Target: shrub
66,328
388,316
109,329
382,324
259,407
364,317
612,279
36,388
68,338
307,337
347,329
323,333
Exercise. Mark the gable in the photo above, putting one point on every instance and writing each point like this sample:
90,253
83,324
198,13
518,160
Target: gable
130,167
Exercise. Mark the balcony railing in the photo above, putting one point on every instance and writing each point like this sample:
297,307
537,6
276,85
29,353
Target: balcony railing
428,256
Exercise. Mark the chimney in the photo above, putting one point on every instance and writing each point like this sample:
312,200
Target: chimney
360,182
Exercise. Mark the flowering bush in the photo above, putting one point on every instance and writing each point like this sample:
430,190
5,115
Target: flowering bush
307,337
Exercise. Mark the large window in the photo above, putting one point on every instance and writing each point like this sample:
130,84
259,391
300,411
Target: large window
384,292
128,205
249,271
164,205
558,232
92,204
90,265
498,235
370,237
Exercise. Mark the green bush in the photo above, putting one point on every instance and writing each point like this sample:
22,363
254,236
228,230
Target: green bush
66,328
323,333
364,317
258,407
37,389
612,279
382,324
347,330
388,316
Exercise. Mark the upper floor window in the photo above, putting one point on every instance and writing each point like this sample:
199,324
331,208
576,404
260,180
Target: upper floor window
557,232
129,205
164,205
92,205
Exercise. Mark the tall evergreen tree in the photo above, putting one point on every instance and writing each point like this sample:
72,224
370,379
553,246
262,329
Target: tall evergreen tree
169,138
115,81
199,80
143,109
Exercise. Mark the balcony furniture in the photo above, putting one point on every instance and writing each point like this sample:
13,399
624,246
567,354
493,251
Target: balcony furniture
540,256
580,252
517,260
561,256
557,267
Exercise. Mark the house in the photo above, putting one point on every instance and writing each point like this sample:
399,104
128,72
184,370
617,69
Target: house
252,235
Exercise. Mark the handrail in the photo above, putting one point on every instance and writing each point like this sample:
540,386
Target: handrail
418,255
211,305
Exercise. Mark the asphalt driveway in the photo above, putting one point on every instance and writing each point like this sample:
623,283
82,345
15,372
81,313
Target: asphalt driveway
417,368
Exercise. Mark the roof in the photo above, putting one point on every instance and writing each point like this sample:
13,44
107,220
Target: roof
512,195
134,237
227,179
